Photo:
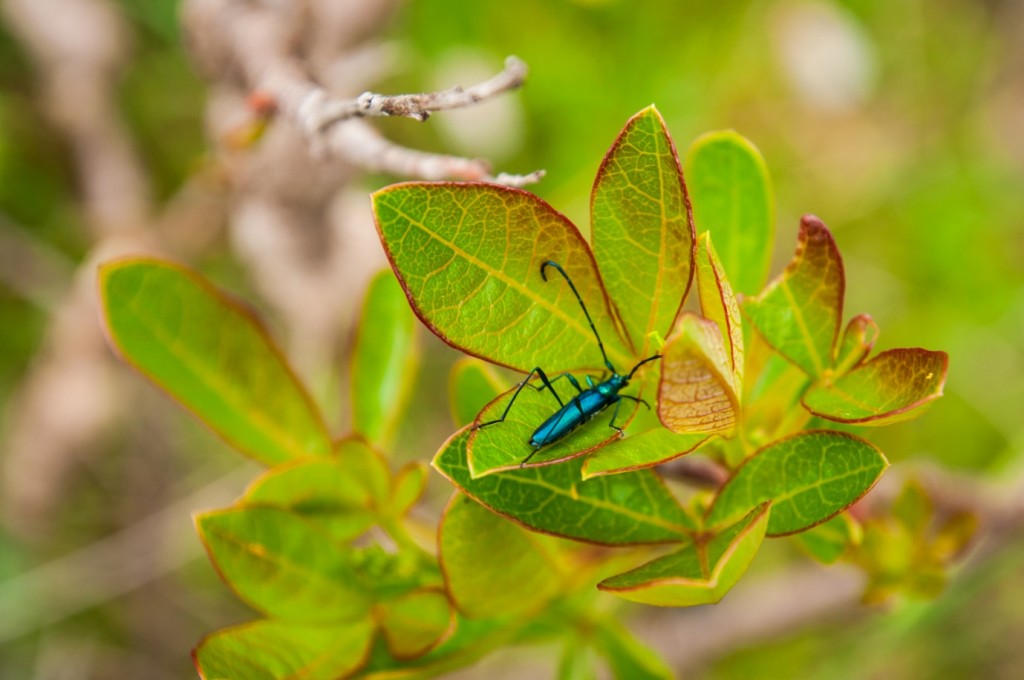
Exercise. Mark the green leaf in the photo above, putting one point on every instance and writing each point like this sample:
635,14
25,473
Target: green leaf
718,303
472,384
701,573
625,509
342,495
626,656
772,400
321,492
284,650
282,566
799,312
697,393
639,451
492,567
808,478
732,198
208,351
642,227
386,574
407,488
830,540
505,445
577,660
366,465
914,508
858,339
469,258
384,360
886,389
416,622
470,641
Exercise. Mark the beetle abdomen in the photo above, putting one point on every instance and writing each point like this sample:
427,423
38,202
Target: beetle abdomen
578,411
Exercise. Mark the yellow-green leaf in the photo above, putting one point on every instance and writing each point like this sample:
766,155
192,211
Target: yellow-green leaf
889,388
808,478
468,642
407,487
700,573
472,384
732,198
343,495
800,311
830,540
642,226
628,657
321,492
469,257
492,567
384,360
416,622
697,393
858,340
718,303
284,650
631,508
208,351
283,566
638,451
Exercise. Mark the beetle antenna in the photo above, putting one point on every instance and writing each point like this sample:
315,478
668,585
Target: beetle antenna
630,376
543,275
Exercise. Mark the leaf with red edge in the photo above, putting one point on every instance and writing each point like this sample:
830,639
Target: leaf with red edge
407,487
211,353
415,622
800,311
832,539
642,226
469,257
282,565
808,478
283,650
700,573
697,393
889,388
858,339
626,509
639,451
718,303
472,384
493,567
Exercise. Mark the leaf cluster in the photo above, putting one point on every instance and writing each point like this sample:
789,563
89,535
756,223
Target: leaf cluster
750,376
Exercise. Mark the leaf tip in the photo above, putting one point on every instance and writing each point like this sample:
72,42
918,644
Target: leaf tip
813,230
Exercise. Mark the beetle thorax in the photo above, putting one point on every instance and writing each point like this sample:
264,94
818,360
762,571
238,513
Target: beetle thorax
613,384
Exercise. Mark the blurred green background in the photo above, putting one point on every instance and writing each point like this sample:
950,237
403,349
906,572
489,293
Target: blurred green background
899,122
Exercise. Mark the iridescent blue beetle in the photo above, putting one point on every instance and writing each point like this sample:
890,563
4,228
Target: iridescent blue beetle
583,406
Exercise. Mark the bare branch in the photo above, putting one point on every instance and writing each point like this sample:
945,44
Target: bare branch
259,42
517,180
698,471
417,106
360,144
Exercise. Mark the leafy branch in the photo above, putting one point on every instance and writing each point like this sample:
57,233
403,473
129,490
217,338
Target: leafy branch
322,546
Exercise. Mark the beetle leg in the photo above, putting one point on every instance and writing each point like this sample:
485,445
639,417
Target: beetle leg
526,383
636,399
615,413
549,383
